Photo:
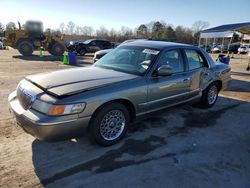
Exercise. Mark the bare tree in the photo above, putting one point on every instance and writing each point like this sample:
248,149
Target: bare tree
71,27
126,33
86,31
102,32
78,30
113,35
199,26
184,35
62,27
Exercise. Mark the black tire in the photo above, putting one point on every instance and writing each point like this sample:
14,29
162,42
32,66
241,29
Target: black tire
99,117
25,48
206,101
57,49
82,52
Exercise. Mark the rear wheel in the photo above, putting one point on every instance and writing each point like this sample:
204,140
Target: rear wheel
57,49
25,48
209,96
109,124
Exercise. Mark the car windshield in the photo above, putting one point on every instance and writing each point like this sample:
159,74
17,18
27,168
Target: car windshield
132,60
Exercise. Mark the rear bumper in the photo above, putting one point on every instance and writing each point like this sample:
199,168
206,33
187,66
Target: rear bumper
226,83
46,127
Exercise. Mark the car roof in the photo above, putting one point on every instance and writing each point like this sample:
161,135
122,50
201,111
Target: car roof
154,44
97,40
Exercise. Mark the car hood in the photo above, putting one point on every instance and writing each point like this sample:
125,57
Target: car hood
75,80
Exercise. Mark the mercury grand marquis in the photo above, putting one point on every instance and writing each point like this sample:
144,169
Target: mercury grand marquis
132,80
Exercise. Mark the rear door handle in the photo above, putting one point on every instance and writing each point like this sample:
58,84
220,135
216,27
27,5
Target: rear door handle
186,79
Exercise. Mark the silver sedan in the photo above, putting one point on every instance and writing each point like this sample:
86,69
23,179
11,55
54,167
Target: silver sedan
132,80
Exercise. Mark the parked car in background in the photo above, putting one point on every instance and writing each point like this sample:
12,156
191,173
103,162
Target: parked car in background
219,48
99,54
216,49
89,46
132,80
244,49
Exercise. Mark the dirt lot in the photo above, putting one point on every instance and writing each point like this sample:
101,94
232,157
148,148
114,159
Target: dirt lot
179,147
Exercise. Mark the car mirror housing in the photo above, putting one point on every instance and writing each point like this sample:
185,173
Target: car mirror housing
164,70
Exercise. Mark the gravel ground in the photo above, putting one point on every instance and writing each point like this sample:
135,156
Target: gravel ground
182,146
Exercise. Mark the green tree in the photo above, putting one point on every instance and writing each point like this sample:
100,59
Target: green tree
184,35
142,31
169,34
157,31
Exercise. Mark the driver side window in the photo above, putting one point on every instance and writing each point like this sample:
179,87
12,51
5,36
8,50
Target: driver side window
174,59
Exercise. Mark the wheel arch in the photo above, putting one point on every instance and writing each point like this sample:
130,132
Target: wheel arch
218,82
127,103
20,40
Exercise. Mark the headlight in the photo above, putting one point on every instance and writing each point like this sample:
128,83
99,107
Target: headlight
41,106
57,110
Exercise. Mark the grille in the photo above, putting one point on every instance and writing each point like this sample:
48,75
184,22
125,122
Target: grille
25,99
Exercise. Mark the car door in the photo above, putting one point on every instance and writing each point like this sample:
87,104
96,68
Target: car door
94,46
198,70
168,90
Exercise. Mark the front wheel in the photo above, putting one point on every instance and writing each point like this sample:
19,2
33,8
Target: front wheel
25,48
109,124
57,49
209,96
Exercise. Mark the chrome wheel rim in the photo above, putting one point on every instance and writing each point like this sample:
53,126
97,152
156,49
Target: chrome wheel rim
212,94
112,125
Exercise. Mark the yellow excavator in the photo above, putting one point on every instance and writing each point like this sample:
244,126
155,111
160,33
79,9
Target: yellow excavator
31,37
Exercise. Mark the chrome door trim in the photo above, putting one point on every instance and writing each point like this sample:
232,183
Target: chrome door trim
174,104
166,98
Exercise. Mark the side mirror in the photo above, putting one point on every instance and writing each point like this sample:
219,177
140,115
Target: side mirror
164,70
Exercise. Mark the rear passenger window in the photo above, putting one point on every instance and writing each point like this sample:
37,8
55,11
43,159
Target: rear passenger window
195,60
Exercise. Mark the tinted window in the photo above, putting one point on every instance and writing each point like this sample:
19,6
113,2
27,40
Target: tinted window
106,44
93,43
195,61
174,59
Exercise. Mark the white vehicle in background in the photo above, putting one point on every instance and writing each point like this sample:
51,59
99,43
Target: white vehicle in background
216,49
1,45
244,49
